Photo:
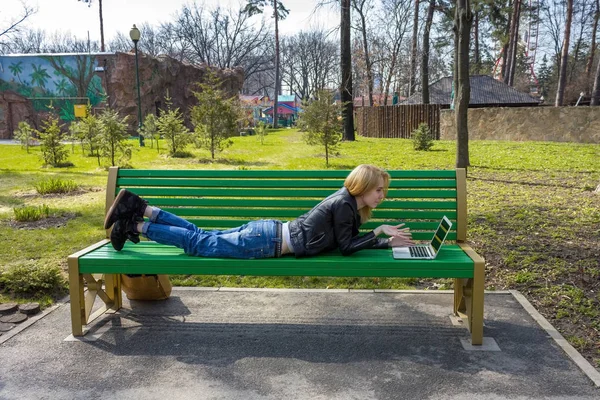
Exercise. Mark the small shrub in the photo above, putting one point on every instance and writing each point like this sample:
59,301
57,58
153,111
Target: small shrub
32,280
150,130
55,185
25,134
261,132
182,154
422,138
31,213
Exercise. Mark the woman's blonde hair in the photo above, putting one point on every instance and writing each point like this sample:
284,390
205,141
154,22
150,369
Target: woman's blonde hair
363,179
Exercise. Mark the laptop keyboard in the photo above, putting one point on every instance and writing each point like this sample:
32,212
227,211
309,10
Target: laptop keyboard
418,251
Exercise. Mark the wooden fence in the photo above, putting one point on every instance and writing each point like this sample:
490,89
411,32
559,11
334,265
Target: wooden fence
396,121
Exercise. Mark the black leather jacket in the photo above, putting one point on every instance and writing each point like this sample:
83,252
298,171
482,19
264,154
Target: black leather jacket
331,224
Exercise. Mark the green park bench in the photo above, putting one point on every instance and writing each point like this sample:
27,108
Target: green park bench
217,199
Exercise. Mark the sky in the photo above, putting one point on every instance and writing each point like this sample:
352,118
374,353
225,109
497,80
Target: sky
119,15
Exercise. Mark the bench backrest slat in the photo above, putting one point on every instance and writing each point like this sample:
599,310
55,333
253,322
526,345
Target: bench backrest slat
221,199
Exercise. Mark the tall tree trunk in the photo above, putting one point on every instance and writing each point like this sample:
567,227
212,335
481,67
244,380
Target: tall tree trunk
511,41
590,62
463,18
515,42
367,59
476,44
578,43
596,91
562,79
101,27
425,59
276,100
346,67
413,56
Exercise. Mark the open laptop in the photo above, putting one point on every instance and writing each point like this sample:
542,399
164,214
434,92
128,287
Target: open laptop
425,251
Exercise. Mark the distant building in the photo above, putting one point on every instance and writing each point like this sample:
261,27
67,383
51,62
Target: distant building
288,108
253,107
485,92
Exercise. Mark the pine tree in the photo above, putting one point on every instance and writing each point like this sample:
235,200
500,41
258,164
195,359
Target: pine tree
215,117
322,122
113,137
170,126
54,152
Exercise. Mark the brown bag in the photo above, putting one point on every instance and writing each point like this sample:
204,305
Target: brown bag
146,287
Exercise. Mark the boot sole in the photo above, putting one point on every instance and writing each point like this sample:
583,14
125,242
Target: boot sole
107,224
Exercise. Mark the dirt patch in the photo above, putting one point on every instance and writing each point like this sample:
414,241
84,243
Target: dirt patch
55,221
33,194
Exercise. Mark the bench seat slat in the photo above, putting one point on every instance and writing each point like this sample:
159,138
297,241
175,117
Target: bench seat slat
272,183
150,257
304,174
261,213
284,193
289,203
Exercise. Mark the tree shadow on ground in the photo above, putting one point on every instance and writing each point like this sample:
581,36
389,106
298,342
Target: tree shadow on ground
233,161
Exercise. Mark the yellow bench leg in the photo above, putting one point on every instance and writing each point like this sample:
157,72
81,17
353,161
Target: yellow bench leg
469,296
76,297
477,307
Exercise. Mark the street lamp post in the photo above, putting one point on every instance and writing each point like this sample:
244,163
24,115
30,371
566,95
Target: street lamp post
134,34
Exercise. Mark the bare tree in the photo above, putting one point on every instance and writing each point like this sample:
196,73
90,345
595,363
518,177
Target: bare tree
28,41
362,7
590,62
65,42
513,43
14,26
582,15
596,90
254,7
562,79
309,62
221,38
89,3
393,22
413,53
463,19
425,58
346,92
553,23
152,41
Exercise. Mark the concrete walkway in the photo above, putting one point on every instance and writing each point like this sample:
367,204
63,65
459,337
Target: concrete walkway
292,344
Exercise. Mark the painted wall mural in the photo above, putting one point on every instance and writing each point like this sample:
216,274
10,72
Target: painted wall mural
56,81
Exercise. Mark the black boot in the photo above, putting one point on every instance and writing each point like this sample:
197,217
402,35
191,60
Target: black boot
127,205
122,230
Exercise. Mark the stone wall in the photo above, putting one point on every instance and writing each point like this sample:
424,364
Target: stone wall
553,124
160,76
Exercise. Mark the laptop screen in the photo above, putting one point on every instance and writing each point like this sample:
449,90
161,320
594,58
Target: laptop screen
440,234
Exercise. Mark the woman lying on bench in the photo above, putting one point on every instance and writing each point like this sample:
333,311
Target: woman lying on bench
331,224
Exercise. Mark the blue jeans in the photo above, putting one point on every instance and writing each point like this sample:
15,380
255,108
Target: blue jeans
256,239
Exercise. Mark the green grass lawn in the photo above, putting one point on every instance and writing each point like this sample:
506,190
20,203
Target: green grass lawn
533,215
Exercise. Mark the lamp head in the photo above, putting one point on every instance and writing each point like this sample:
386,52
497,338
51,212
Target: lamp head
134,34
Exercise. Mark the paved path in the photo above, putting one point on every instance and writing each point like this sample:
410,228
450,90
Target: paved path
286,344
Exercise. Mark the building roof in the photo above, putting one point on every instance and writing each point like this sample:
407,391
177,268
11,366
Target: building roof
251,99
288,98
485,90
